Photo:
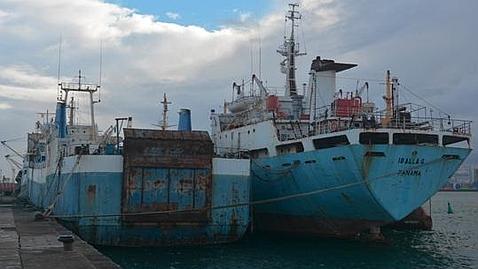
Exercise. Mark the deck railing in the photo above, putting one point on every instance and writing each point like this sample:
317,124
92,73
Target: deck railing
411,119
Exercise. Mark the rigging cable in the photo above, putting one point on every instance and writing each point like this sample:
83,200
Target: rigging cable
49,210
423,99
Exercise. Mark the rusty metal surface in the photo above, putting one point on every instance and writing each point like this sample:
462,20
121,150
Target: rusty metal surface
309,225
157,148
8,187
164,171
419,219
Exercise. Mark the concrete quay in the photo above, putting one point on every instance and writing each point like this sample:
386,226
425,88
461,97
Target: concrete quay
27,243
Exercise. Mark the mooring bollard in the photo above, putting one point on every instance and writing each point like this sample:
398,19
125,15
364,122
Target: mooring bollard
37,216
67,240
450,209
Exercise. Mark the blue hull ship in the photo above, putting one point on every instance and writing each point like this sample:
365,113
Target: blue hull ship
145,187
346,190
91,204
327,162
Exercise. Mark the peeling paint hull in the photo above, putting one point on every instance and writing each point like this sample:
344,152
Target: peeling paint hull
224,225
365,190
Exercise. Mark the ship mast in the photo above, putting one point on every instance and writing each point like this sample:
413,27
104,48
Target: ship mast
290,50
165,103
388,100
85,88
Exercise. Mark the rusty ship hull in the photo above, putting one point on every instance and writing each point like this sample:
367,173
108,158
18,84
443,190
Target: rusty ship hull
93,205
138,187
146,188
347,190
331,162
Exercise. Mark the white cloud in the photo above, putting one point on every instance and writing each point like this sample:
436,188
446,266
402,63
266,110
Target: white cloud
147,49
26,76
4,106
173,15
25,83
244,16
3,15
144,56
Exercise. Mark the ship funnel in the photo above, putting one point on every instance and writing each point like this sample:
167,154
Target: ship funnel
184,120
60,119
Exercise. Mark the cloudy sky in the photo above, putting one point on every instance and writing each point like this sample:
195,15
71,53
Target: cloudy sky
194,50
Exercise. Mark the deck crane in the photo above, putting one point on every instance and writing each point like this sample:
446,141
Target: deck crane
13,163
262,89
107,134
4,143
359,92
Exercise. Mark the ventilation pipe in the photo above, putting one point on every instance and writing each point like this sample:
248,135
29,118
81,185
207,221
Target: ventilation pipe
184,120
60,119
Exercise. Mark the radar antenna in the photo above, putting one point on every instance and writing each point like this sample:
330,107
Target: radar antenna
290,50
164,122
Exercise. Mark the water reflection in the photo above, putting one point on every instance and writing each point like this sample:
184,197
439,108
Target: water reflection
452,244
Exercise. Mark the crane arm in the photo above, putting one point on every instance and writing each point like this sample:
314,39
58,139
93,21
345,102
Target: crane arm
259,83
4,143
13,162
360,91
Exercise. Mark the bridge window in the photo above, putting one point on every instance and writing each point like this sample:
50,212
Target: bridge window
415,139
288,148
370,138
330,142
258,153
449,139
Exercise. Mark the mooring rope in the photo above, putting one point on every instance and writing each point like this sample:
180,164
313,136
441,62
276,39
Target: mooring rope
251,203
49,210
57,177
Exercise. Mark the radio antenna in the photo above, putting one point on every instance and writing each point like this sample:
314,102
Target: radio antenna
260,55
59,59
59,64
101,69
101,62
251,47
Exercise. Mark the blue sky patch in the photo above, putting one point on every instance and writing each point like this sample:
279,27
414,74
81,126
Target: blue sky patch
210,14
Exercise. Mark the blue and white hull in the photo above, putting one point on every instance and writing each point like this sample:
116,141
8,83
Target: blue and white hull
88,199
345,190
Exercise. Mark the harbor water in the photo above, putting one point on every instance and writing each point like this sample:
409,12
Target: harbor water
453,243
